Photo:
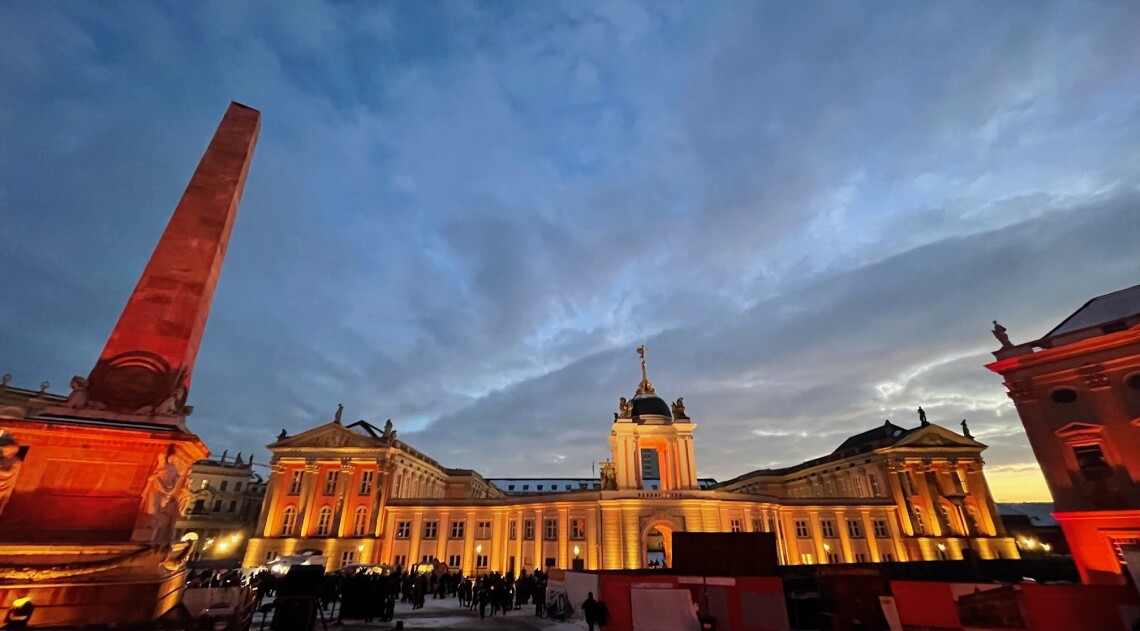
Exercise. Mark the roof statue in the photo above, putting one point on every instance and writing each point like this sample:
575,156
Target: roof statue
679,408
645,387
388,431
283,435
1001,335
625,408
922,417
966,429
339,412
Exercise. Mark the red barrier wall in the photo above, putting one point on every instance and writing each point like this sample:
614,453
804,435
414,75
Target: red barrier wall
614,590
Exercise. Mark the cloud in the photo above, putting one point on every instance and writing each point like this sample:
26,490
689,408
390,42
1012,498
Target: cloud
466,220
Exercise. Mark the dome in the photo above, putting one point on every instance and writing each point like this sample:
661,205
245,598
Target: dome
652,405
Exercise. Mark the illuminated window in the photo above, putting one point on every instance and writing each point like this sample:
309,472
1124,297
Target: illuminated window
550,527
806,558
360,522
431,529
457,528
881,529
874,482
942,554
295,482
513,530
288,521
736,525
919,526
483,530
802,529
403,530
577,528
528,529
324,521
854,529
330,482
827,527
366,478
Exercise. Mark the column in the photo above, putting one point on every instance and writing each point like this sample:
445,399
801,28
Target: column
613,544
637,463
519,523
895,470
592,552
539,552
563,539
343,518
304,505
444,536
846,552
380,493
817,536
931,512
417,536
499,542
469,544
634,546
271,507
869,532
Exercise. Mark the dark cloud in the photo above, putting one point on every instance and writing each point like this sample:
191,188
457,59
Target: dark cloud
466,220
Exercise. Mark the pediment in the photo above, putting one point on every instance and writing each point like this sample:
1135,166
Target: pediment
936,436
328,436
1080,432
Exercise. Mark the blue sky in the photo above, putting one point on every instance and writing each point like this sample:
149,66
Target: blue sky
465,217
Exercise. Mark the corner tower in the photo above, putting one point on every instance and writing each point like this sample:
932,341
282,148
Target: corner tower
648,434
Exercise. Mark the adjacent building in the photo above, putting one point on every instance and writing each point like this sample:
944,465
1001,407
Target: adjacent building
1077,391
357,493
225,497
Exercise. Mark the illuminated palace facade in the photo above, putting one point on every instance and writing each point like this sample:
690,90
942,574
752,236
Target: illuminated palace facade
358,494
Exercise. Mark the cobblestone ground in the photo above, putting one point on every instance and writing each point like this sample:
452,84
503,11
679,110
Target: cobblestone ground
447,614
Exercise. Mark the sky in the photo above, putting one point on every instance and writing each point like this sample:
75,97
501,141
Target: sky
465,217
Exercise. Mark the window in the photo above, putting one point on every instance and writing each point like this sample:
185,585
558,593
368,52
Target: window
481,561
457,528
1090,458
510,487
919,526
403,530
217,505
942,555
975,522
887,557
578,528
828,528
366,478
948,518
854,528
483,530
806,558
833,557
757,524
454,561
330,482
549,561
911,485
860,557
526,487
736,525
225,484
233,506
288,521
874,482
802,529
400,560
1118,544
431,529
1063,395
346,557
513,530
237,487
860,489
771,524
295,482
270,555
528,529
360,522
550,528
844,491
539,487
880,526
324,521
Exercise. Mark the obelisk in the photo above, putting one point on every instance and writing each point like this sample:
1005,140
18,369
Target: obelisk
146,365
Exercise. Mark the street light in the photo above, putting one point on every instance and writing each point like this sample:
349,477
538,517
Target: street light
577,552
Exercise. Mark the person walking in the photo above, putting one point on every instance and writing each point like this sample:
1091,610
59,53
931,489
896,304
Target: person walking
590,610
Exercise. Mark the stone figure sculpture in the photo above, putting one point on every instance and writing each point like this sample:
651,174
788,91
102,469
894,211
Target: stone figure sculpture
172,405
339,412
163,499
388,433
922,417
625,408
78,397
608,476
11,459
966,429
1001,335
679,408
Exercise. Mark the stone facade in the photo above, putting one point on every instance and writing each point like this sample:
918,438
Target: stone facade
223,507
358,494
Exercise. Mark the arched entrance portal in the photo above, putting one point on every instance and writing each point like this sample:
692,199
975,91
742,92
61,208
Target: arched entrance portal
657,545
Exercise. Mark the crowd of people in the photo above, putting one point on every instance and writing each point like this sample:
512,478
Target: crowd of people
369,595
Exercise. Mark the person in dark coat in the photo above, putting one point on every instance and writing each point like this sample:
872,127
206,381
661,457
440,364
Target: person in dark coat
590,611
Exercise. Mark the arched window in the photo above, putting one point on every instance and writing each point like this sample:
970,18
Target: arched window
919,527
324,522
360,522
289,521
975,520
